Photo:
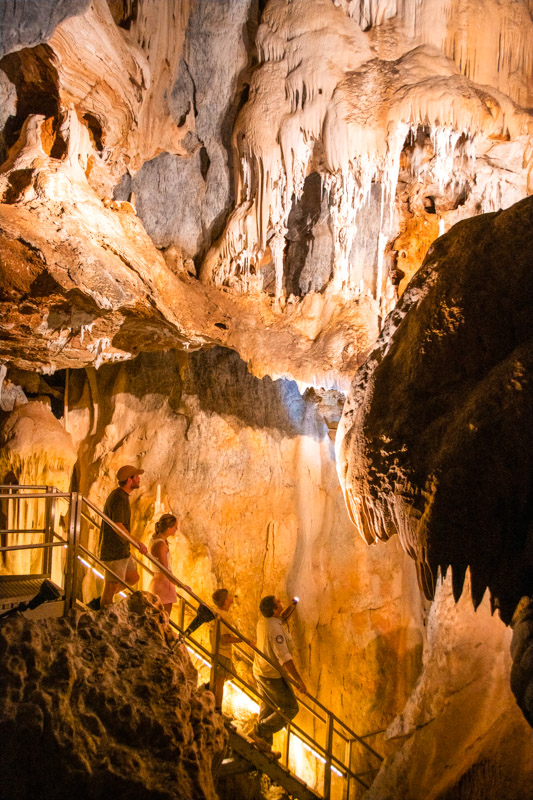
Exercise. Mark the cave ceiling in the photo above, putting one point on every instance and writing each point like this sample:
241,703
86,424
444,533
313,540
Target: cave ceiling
265,177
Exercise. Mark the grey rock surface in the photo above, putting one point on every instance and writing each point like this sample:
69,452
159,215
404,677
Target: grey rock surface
309,255
25,23
183,201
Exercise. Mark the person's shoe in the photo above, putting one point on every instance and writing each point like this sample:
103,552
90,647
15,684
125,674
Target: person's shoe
94,605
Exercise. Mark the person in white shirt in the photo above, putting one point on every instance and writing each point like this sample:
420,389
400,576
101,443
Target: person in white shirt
223,601
274,640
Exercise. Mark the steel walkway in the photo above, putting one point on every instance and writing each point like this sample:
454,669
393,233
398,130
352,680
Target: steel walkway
55,526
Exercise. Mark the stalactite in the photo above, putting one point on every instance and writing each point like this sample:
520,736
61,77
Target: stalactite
359,110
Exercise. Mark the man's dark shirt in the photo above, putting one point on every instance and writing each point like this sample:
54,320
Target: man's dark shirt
117,507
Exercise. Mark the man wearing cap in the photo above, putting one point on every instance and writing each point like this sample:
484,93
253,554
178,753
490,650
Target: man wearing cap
114,549
275,641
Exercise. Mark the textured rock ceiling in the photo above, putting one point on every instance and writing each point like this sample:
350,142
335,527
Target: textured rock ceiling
301,180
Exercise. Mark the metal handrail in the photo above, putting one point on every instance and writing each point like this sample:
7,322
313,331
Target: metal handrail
22,530
334,725
352,736
36,546
34,496
15,487
234,630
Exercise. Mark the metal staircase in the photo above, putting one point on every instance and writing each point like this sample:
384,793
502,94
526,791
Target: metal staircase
245,757
55,527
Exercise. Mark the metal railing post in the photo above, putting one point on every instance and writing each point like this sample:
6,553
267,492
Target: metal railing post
287,744
71,566
214,663
49,528
181,614
329,755
348,761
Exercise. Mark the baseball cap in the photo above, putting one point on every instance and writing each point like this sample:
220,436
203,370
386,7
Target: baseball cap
128,471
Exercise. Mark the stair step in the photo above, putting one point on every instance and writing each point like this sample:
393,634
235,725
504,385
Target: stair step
235,765
15,589
269,766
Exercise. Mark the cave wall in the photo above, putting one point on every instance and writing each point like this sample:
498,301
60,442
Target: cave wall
304,189
248,466
461,734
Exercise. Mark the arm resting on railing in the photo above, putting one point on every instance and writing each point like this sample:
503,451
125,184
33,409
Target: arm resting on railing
137,542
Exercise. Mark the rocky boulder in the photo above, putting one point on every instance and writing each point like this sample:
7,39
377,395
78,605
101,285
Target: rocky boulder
104,704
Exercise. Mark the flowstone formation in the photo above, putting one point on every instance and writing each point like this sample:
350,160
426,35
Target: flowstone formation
104,704
35,450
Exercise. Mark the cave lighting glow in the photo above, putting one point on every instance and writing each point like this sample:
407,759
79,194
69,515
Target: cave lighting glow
238,703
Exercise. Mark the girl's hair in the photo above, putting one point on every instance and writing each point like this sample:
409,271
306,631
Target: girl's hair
166,522
219,597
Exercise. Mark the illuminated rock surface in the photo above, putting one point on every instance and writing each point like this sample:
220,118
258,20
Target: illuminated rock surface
248,467
104,703
327,191
461,728
266,178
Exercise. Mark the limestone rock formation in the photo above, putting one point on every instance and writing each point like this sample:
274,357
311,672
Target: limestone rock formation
35,450
325,211
396,116
460,728
104,704
180,180
35,446
433,440
522,652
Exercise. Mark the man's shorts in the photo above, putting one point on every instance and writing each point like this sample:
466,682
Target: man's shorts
120,568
